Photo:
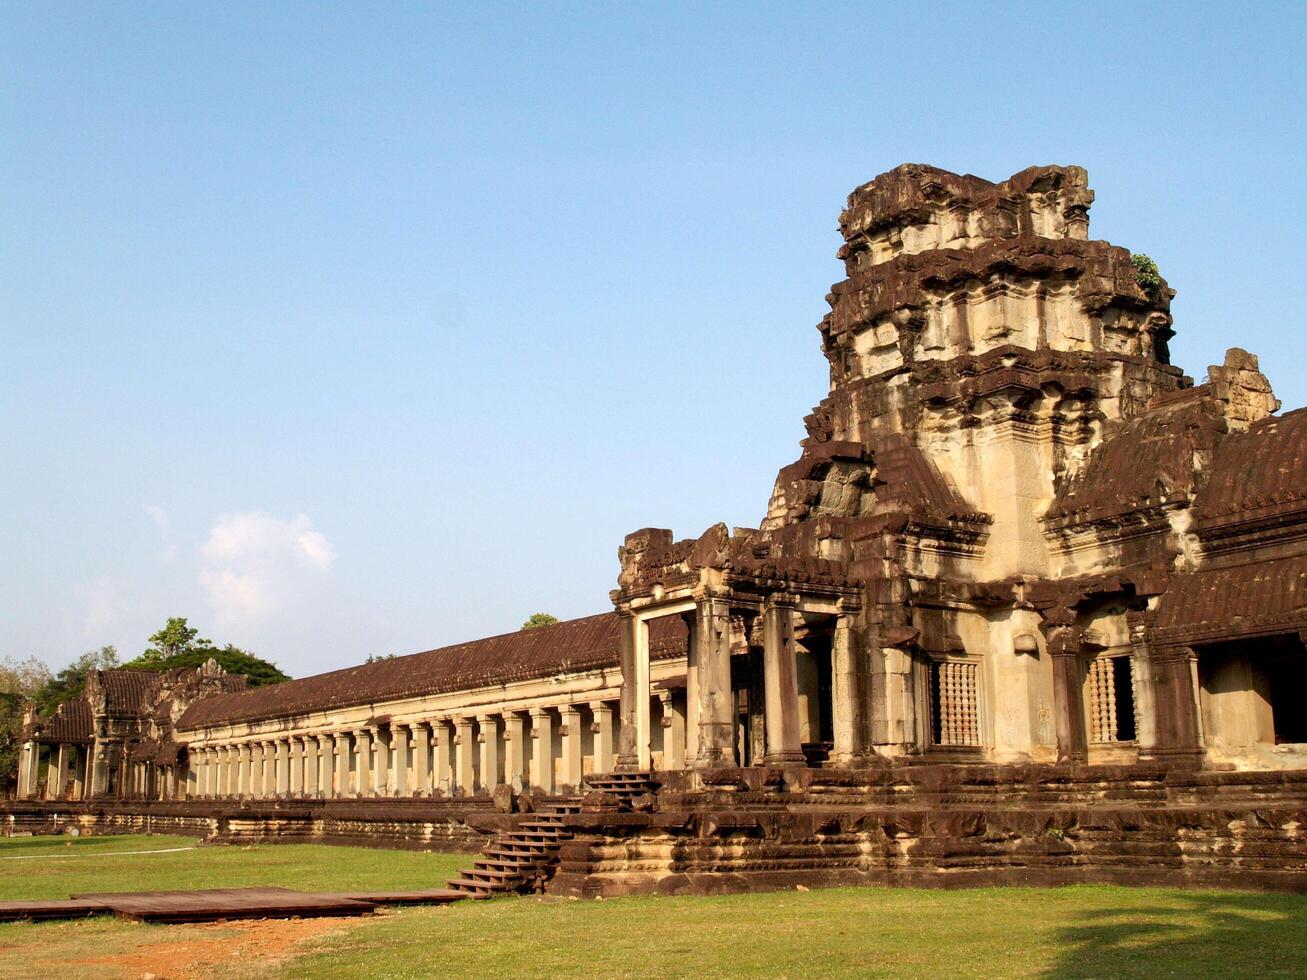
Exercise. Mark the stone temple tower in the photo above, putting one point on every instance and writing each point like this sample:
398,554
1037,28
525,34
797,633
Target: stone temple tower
967,557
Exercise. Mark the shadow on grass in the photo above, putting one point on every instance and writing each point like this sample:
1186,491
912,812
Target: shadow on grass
1195,934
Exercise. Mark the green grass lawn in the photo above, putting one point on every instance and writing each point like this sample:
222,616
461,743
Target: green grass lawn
98,864
1085,931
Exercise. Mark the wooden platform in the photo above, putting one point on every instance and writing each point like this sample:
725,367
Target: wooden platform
213,904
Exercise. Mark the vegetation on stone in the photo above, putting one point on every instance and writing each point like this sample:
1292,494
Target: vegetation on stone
536,620
1147,274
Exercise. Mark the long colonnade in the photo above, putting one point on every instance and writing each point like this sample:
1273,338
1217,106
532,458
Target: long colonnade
547,748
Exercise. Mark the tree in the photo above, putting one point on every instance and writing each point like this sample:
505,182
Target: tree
536,620
71,681
179,644
174,639
19,681
231,659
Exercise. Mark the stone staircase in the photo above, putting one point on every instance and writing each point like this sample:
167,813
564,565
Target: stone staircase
522,859
519,859
626,786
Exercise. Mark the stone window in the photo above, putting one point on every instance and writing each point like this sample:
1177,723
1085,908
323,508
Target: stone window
1111,699
954,703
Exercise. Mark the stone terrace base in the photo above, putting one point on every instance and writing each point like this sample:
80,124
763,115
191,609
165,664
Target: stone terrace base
431,825
946,826
758,829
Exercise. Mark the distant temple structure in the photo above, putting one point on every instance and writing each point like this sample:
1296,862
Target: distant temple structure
1016,536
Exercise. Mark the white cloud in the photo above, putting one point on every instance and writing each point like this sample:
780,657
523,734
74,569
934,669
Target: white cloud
254,566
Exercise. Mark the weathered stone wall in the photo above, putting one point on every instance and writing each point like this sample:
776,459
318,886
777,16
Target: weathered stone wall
946,826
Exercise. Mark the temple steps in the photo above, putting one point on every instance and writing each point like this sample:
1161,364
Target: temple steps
518,858
524,857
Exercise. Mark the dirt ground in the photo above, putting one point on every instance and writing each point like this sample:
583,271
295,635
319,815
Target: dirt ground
201,950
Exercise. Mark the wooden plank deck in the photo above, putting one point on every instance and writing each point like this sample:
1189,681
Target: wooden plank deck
212,904
36,911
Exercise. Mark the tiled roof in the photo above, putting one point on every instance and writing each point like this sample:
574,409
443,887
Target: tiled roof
1146,462
125,689
1260,470
1232,601
71,722
577,644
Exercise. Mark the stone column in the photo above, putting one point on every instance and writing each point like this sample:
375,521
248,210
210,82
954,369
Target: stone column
542,750
603,736
515,749
363,785
633,752
244,785
282,760
217,778
421,748
309,766
340,782
79,774
571,775
325,752
1179,733
380,762
56,789
848,682
488,726
710,713
402,753
442,752
673,722
1068,695
295,765
464,745
29,770
781,682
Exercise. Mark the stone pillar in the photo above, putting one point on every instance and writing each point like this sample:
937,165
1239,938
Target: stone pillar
848,684
282,761
488,726
269,769
464,746
633,752
29,770
673,722
295,762
515,749
1175,696
421,748
542,750
402,756
363,785
309,766
99,768
381,762
603,736
244,785
324,751
1068,695
571,775
56,788
79,774
340,780
710,664
781,683
442,756
217,779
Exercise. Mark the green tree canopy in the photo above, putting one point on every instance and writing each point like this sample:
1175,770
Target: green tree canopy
19,681
536,620
179,644
71,681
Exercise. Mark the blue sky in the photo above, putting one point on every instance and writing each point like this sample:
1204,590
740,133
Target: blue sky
351,329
